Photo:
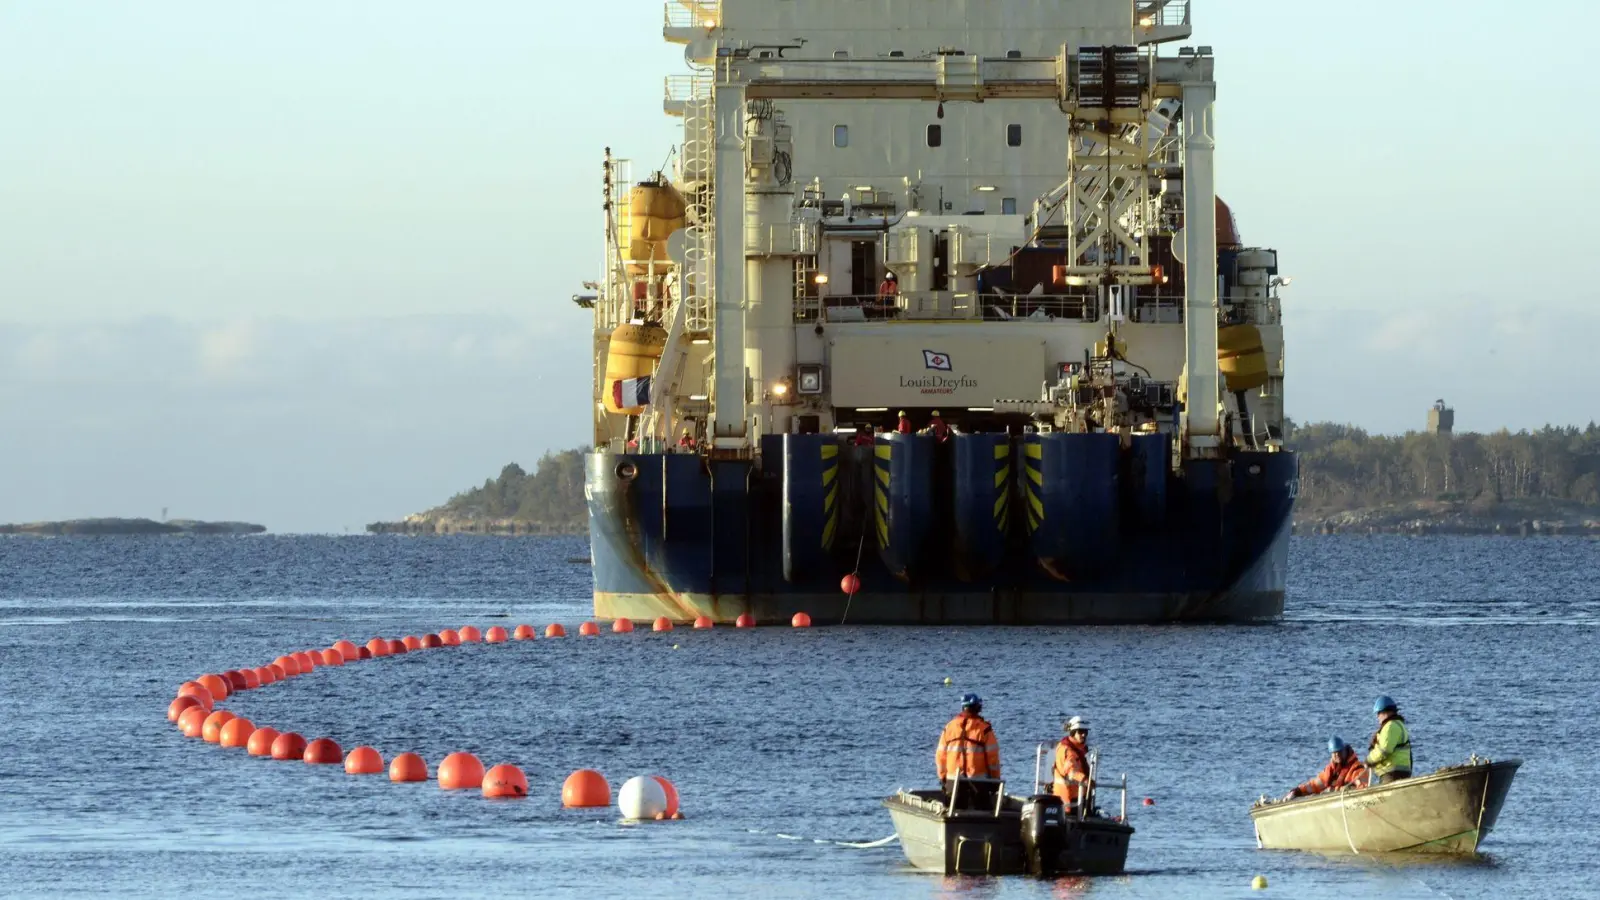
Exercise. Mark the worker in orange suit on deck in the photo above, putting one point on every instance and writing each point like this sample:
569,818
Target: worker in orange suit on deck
1344,769
1070,773
904,426
967,747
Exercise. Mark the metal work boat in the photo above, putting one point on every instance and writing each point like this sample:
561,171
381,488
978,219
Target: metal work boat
1449,811
950,313
1013,836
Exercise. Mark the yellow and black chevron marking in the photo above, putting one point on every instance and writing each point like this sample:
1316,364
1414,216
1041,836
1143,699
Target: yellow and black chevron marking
830,493
1034,458
880,491
1002,486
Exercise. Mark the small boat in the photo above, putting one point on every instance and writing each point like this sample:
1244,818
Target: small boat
1448,811
990,832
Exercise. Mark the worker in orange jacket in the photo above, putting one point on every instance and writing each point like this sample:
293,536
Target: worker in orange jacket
967,747
1070,773
1344,769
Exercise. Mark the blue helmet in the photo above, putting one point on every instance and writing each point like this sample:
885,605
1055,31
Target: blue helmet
971,701
1336,744
1384,704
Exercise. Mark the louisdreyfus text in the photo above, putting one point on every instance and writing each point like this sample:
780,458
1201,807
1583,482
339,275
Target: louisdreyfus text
938,384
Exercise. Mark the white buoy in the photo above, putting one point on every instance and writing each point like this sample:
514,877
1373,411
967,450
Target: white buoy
641,797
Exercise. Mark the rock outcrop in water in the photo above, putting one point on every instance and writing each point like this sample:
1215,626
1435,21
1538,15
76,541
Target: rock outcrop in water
549,501
112,526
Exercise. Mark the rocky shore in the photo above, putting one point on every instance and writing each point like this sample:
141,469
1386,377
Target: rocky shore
431,523
100,527
1516,518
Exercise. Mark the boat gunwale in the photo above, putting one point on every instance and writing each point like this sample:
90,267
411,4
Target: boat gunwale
1445,773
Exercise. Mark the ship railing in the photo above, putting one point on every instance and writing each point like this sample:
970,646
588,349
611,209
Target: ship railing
681,90
693,14
785,239
1162,13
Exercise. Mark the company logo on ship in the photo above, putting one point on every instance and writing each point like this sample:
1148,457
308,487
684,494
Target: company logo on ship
938,384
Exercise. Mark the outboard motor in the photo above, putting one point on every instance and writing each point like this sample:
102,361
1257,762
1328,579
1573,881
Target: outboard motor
1044,832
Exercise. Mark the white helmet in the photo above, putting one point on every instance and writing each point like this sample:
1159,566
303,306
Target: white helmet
1076,723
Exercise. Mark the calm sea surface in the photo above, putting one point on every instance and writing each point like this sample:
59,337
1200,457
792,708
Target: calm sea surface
781,742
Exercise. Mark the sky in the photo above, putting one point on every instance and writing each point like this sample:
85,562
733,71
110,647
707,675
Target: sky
308,264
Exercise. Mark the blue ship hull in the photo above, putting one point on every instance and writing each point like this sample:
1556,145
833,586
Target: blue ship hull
983,529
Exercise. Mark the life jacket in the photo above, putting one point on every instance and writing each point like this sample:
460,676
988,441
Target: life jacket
905,425
1071,771
1397,759
968,747
1344,771
941,431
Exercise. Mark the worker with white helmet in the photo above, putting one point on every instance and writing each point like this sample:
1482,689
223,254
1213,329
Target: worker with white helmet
1071,770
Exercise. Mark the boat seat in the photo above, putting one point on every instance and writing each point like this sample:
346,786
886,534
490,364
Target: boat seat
974,793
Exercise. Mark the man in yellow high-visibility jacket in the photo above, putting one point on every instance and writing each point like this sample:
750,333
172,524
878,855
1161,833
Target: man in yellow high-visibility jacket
1389,753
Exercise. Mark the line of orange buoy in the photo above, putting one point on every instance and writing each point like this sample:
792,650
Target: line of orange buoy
194,711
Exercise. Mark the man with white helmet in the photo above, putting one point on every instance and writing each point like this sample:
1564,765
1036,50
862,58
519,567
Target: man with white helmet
1071,770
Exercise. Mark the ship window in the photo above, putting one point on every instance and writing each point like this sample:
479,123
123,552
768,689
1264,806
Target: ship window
1008,206
935,135
896,54
841,135
764,54
841,54
1013,135
1013,54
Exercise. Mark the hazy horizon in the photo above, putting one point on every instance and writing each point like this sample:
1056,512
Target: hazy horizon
310,266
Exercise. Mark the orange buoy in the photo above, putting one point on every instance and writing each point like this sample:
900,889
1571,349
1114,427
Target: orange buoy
523,633
323,752
451,637
261,741
505,782
588,629
211,729
850,584
217,685
745,620
378,646
317,659
236,733
332,657
200,694
1149,801
363,653
470,634
662,624
554,630
396,647
801,620
431,642
585,789
622,626
364,761
236,682
307,664
412,642
460,771
702,622
178,705
495,635
288,665
266,674
193,720
252,679
672,796
408,767
348,649
278,671
288,746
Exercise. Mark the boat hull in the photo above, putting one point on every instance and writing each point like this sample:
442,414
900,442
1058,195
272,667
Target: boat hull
965,533
977,843
1447,812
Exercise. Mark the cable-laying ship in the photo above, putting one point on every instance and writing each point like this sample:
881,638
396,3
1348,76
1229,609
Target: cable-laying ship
997,217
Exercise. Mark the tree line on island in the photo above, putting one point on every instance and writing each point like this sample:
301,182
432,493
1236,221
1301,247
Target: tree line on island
1349,480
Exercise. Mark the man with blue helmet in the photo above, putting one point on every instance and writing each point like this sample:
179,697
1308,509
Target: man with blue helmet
968,747
1344,769
1389,753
